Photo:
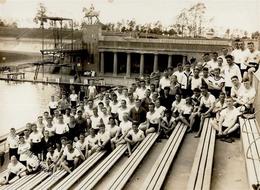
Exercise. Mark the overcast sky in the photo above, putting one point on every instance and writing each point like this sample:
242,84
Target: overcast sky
241,14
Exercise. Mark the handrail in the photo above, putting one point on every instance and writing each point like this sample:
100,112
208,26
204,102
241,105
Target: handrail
249,147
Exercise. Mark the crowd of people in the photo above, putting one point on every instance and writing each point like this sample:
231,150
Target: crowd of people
79,124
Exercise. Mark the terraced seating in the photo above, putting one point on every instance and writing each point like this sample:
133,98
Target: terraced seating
200,176
93,177
30,184
51,180
69,180
250,135
159,170
19,182
128,168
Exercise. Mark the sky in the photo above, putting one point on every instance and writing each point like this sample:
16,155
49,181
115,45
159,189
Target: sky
240,14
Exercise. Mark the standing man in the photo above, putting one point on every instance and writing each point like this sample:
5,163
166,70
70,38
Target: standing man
231,70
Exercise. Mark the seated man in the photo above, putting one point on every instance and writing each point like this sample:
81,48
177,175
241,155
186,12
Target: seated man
91,143
32,164
70,158
168,123
186,113
246,96
52,158
125,127
153,121
207,104
133,137
15,170
103,138
228,120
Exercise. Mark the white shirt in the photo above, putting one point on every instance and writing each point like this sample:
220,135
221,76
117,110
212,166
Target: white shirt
95,121
236,53
186,109
177,105
12,141
185,79
136,136
229,116
22,150
164,82
195,83
178,74
211,64
53,157
79,145
209,101
36,137
153,117
90,141
33,162
73,97
125,126
104,136
53,105
246,95
216,83
140,92
253,57
91,90
114,107
242,58
229,72
61,128
160,110
16,168
71,155
121,112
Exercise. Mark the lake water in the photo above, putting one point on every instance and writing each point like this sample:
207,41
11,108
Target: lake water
23,102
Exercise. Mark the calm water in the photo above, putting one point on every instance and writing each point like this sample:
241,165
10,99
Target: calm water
23,102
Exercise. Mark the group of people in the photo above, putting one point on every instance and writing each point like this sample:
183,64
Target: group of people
79,124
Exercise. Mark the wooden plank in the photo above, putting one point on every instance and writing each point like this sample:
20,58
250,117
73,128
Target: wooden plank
162,154
209,164
255,150
127,172
249,164
35,181
204,157
38,175
51,180
69,180
135,154
170,159
102,168
197,158
20,182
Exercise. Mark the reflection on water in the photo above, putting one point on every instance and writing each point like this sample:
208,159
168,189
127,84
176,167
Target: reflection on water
23,102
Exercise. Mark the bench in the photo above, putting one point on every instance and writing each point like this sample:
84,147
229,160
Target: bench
76,174
250,136
128,168
93,177
19,182
51,180
157,174
30,184
200,176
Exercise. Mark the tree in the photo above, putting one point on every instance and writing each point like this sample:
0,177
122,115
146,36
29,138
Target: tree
40,15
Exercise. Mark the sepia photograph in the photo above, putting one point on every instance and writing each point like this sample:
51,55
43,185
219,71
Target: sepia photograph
129,95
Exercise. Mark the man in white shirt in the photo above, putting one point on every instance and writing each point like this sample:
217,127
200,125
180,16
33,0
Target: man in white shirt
242,56
231,70
179,72
164,81
252,60
246,95
235,88
186,78
15,170
213,62
53,105
228,120
207,104
134,137
23,148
